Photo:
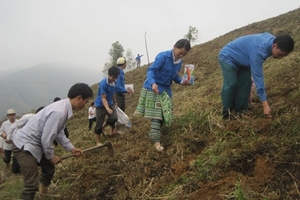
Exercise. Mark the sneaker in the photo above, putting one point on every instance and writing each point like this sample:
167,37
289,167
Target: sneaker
158,146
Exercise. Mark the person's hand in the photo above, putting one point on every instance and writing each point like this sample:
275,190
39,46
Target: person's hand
115,104
155,88
185,82
110,111
129,90
8,141
56,159
77,152
3,135
267,109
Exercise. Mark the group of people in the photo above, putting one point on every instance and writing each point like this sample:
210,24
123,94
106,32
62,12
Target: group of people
32,138
240,60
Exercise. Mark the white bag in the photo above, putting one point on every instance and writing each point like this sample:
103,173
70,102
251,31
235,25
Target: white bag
122,117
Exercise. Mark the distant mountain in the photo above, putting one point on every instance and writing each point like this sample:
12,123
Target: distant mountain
6,73
28,89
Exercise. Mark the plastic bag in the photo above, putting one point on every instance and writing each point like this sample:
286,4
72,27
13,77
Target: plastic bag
189,73
122,117
166,106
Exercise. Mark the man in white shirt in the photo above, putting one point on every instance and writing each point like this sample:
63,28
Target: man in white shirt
32,144
92,115
7,147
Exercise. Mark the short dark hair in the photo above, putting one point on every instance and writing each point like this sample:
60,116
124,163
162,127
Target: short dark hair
183,43
81,89
39,109
113,71
92,103
56,99
284,43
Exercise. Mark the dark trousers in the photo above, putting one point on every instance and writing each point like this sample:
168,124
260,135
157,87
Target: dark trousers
29,170
236,88
7,156
121,101
91,122
66,134
15,165
100,118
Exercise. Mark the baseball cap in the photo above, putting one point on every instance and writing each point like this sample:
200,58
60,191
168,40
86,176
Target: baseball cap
121,61
10,111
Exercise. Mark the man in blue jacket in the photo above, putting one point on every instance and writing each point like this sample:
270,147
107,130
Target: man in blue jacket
120,84
244,57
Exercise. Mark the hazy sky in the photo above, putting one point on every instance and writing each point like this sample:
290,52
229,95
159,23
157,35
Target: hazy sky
82,31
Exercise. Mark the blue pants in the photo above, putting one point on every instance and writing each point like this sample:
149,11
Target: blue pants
236,88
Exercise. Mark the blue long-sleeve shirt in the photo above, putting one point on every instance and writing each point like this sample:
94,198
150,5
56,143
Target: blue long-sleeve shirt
105,88
120,83
250,51
163,71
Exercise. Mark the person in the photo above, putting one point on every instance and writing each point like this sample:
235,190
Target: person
65,129
160,75
18,124
104,103
7,147
92,115
32,144
240,59
120,84
120,88
138,60
2,141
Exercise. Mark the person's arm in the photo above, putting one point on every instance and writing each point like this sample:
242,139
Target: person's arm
49,133
256,63
1,130
176,78
3,135
156,65
18,124
120,83
105,104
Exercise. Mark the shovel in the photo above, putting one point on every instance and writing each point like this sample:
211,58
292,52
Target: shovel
105,144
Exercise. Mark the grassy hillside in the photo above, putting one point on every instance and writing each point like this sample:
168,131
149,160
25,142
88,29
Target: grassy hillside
205,157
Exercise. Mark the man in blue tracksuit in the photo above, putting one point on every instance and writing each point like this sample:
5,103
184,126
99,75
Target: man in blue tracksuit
244,57
120,84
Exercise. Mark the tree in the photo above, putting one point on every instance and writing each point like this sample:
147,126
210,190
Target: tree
131,64
115,52
192,35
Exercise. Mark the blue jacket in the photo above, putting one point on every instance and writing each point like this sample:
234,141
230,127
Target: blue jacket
163,72
105,88
120,83
250,51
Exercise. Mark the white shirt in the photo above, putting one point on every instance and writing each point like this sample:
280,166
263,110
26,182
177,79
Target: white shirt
2,141
92,112
42,128
5,129
17,125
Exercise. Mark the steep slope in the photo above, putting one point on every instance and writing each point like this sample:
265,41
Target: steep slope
205,157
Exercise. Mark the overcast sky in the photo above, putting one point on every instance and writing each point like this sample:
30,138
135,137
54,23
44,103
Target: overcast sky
82,31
